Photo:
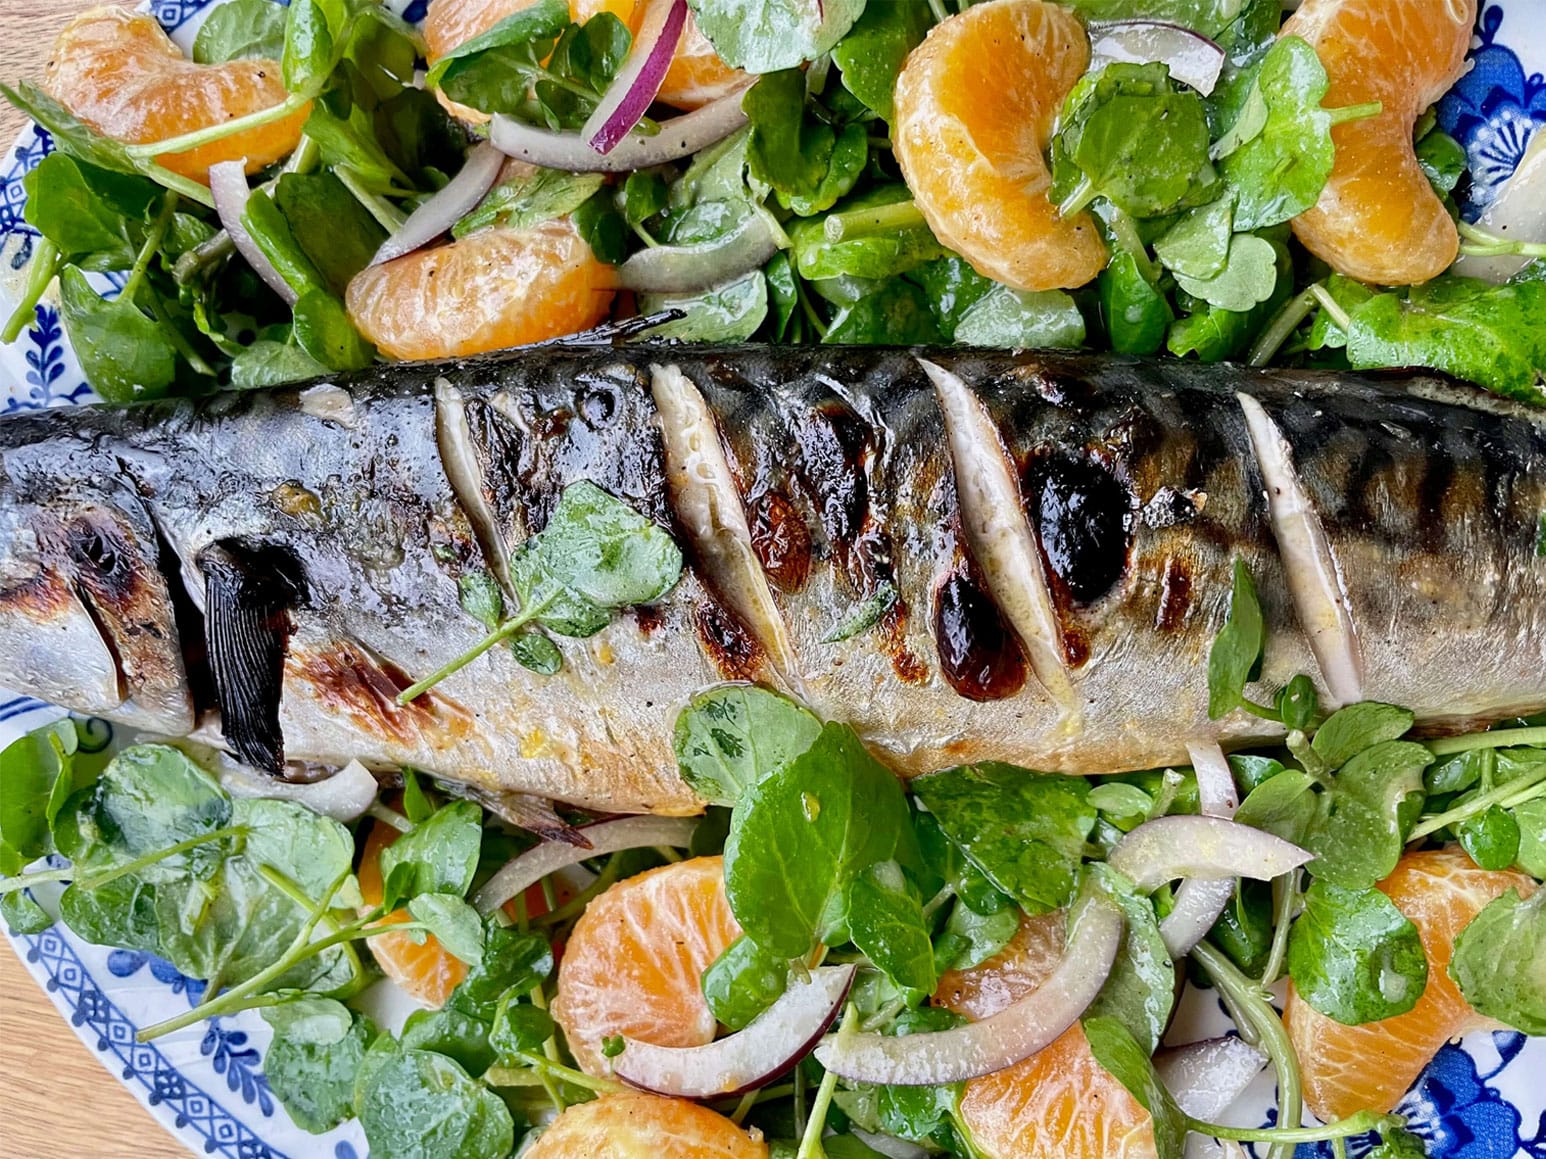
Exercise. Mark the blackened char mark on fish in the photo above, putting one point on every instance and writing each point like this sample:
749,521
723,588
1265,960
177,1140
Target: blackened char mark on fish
348,680
1084,518
781,540
979,654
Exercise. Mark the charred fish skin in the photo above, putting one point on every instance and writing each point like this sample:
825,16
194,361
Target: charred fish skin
867,480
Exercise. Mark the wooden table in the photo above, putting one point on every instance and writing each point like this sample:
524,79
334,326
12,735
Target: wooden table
61,1103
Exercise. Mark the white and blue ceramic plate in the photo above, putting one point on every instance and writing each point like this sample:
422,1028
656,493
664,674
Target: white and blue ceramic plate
1481,1099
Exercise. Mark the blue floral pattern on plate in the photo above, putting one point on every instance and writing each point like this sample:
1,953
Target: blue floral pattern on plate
1480,1100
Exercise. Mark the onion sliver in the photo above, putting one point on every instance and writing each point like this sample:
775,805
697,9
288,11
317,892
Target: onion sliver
678,137
1208,847
604,837
767,1047
1018,1031
1192,58
634,88
1206,1077
1199,902
437,215
343,796
684,269
228,184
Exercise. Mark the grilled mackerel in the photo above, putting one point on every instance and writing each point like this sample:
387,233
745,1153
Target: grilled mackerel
1049,540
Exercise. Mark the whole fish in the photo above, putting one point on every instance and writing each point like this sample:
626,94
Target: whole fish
967,556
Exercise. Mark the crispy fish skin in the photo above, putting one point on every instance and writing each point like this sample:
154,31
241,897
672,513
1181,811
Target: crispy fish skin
293,557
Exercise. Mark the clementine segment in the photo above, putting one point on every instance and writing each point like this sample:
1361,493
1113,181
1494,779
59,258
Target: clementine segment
1059,1103
642,1126
122,75
1352,1068
1378,219
429,972
491,290
634,960
976,105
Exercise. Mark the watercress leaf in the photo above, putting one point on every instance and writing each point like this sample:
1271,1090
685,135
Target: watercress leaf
1249,276
1361,824
481,598
1443,160
1491,838
313,1075
1198,244
869,612
786,150
1021,318
1121,802
86,211
453,922
763,36
1324,332
453,1033
1141,988
325,332
519,1026
587,56
1240,98
416,1103
1297,703
121,913
329,224
536,652
944,864
872,255
1280,172
952,287
309,53
974,937
1398,1144
743,982
499,80
1354,956
895,315
529,199
850,154
1136,313
1459,772
22,915
871,55
442,852
802,834
1236,655
1531,819
885,921
1244,928
1350,730
1283,805
1126,1060
728,738
1025,831
351,141
126,356
310,1021
731,312
511,961
783,295
267,363
69,133
1500,961
1213,333
241,30
1492,335
30,767
419,136
1251,770
271,233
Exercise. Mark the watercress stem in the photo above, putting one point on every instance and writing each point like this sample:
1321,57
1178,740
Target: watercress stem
810,1142
1285,895
1500,738
1355,112
41,271
505,630
576,905
153,240
743,1108
1124,231
1083,193
1333,308
937,7
212,133
1519,786
866,222
387,215
1283,323
387,815
571,1076
95,881
28,880
177,183
1360,1124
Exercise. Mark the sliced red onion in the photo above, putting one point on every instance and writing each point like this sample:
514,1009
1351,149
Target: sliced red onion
1200,902
1192,58
1208,847
1207,1077
437,215
769,1046
685,269
343,796
634,88
1018,1031
678,137
228,184
604,837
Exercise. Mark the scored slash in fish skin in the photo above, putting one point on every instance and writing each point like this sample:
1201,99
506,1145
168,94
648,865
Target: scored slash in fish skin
846,560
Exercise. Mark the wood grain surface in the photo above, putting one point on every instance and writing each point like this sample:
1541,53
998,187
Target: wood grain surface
61,1103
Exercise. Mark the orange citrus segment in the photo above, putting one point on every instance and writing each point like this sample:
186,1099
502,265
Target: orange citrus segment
976,105
1378,219
1352,1068
121,74
633,962
641,1126
1059,1103
428,972
491,290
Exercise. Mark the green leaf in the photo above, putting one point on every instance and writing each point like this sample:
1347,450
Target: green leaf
22,915
271,233
1214,334
441,854
314,1058
529,199
729,738
743,982
511,961
454,923
1121,802
730,312
763,36
1198,245
1021,318
871,55
265,364
1136,313
481,598
1284,805
1492,335
494,69
1354,956
1324,332
1140,991
1244,930
786,150
885,921
351,141
92,215
121,914
329,224
804,833
1399,1144
1531,819
782,292
896,315
1280,172
952,287
30,766
1443,160
1235,658
310,52
70,134
1491,838
1249,276
1359,831
869,613
535,651
325,332
1350,730
1500,961
944,864
125,356
1251,770
415,1103
453,1033
1298,703
519,1026
241,30
1025,831
1126,1060
970,938
850,155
